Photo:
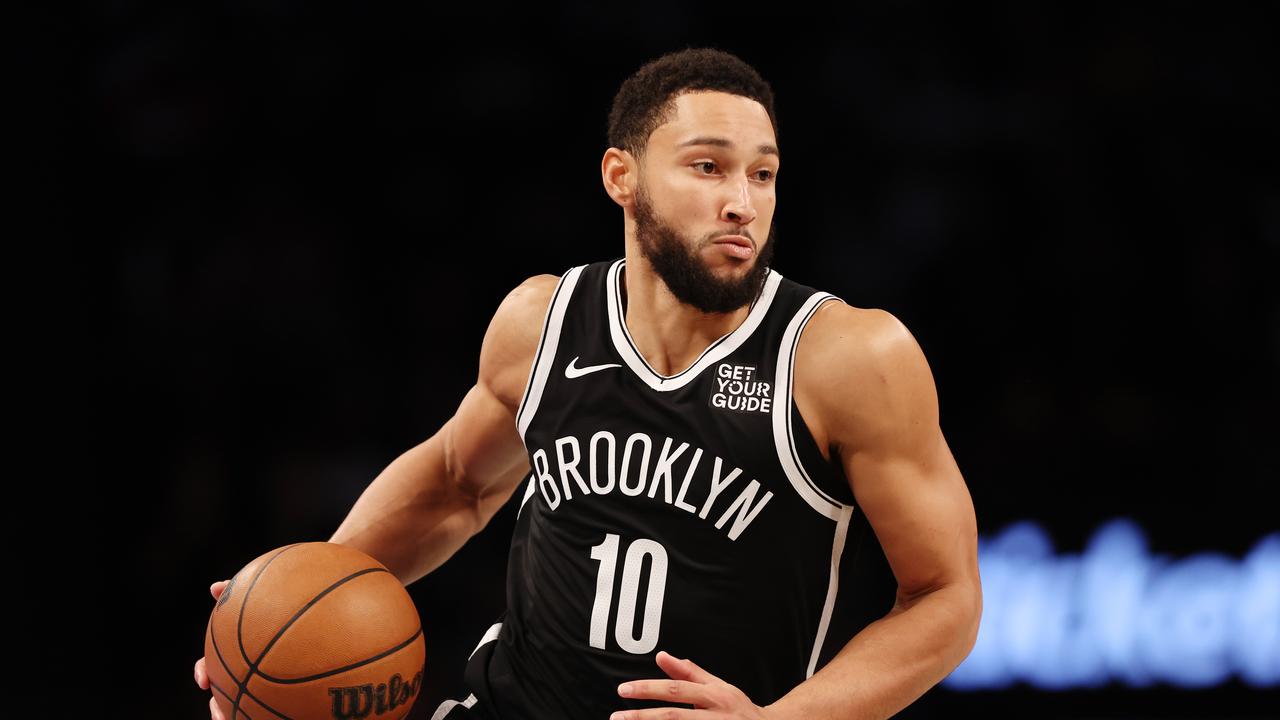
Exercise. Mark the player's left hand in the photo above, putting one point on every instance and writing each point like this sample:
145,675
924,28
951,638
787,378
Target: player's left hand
689,684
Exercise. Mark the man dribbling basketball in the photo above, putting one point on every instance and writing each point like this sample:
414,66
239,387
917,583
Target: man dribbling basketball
696,439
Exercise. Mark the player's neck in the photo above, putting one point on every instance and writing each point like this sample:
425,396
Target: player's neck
669,334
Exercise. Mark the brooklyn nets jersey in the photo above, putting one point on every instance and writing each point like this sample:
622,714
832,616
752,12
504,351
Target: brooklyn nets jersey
692,513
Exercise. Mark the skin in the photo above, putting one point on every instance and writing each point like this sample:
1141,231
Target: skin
862,385
867,394
703,192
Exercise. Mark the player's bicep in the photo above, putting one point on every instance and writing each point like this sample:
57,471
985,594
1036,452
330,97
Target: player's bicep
902,473
921,511
483,449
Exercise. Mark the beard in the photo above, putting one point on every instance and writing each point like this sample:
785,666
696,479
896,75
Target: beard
681,267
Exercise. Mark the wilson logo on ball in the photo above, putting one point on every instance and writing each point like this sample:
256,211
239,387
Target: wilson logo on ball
361,700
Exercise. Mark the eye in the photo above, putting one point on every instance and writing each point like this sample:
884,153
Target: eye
704,162
768,175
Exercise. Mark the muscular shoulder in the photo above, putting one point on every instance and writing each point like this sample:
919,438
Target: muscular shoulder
511,340
865,376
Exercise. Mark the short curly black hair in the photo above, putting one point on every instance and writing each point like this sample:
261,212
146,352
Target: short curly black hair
646,100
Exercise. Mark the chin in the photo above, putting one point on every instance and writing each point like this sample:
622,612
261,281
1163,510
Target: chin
735,264
719,259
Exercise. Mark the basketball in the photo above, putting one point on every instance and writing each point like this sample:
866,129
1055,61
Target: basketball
314,630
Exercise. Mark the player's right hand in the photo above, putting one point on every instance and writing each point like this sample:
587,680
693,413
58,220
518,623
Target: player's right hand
202,678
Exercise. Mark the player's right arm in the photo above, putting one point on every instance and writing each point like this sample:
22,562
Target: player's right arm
429,501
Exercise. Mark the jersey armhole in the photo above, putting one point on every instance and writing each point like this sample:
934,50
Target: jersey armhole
834,484
548,341
784,430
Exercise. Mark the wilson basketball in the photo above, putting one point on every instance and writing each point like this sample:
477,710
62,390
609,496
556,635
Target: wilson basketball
314,630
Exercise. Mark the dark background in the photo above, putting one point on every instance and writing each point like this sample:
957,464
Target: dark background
294,223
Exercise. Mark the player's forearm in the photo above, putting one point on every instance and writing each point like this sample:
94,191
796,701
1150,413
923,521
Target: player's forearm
892,662
411,518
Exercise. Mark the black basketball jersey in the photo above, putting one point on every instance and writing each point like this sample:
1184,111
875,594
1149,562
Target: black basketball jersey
691,513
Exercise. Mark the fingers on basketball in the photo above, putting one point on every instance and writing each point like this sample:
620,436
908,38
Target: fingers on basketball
216,589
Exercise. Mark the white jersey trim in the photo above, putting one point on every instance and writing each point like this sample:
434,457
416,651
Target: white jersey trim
715,352
528,493
783,432
489,636
448,705
833,586
547,344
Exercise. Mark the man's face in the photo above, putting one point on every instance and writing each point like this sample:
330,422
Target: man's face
707,177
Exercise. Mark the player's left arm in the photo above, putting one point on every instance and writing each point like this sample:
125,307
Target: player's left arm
874,396
879,406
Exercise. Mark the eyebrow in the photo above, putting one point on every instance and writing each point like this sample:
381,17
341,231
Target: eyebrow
764,149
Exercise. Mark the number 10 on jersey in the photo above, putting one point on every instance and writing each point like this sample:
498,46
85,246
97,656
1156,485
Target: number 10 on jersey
607,553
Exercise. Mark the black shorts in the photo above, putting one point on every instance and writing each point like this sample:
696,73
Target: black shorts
457,710
471,707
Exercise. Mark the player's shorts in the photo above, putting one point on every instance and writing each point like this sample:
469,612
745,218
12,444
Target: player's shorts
457,710
472,708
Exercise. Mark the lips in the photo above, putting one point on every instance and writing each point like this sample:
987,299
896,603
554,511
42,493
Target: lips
734,239
736,246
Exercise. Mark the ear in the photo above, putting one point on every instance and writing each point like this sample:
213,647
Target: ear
618,172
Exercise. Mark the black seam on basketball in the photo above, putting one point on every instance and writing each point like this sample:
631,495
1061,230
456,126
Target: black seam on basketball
270,709
279,633
214,685
353,666
240,687
243,687
230,673
244,604
244,690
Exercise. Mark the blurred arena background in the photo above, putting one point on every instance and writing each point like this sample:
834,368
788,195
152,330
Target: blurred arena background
303,219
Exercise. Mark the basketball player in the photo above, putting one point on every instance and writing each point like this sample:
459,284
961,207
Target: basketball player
690,437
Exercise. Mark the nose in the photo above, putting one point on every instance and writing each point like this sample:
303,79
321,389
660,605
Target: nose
739,208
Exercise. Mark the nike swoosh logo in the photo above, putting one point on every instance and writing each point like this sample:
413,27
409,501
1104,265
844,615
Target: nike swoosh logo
572,372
